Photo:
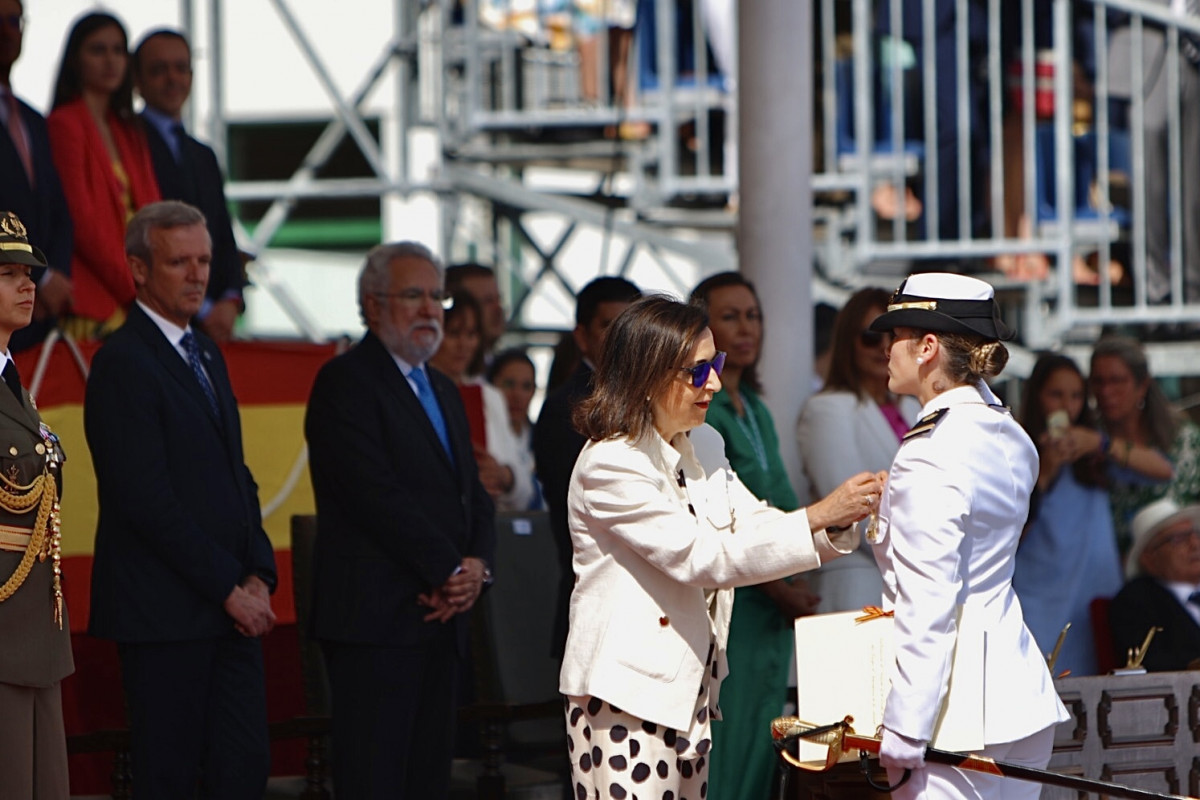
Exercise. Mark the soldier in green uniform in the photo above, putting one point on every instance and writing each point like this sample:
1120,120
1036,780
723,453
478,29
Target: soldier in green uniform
35,639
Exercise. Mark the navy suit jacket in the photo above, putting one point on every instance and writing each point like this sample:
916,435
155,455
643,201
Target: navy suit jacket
1144,602
42,207
198,181
179,524
395,517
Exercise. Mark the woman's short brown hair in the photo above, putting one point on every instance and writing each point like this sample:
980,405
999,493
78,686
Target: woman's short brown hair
644,350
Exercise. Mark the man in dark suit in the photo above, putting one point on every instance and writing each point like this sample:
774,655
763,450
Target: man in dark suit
29,185
187,170
183,568
405,535
556,443
1164,590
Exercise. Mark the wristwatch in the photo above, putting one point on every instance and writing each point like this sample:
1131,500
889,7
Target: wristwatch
487,573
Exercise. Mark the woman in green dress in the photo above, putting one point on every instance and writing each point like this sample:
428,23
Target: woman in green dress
760,636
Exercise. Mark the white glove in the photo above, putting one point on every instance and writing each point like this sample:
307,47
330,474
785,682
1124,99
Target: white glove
901,752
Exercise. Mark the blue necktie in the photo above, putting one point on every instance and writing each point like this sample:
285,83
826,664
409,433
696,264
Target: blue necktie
193,352
1194,598
432,410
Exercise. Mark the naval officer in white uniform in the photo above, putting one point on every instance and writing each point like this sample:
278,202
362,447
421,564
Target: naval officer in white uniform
957,498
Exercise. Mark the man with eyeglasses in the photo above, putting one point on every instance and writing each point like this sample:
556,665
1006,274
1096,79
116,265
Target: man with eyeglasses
404,535
187,169
29,185
1164,588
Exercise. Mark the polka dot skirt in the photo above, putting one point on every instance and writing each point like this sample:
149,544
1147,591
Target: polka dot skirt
615,755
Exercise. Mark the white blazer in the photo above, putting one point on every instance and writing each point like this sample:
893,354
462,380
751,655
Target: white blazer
504,446
648,569
949,523
839,436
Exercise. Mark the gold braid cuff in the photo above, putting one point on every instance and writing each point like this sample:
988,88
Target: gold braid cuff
46,539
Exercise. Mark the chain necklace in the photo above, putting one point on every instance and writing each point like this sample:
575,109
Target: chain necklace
751,432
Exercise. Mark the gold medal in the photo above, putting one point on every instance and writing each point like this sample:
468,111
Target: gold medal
873,527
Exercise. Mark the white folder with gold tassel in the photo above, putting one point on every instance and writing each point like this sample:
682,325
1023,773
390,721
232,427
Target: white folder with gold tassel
844,666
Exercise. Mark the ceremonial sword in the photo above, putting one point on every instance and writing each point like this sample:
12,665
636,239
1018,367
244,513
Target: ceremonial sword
840,736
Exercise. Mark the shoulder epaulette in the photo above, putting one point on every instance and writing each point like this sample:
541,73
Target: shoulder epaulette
925,424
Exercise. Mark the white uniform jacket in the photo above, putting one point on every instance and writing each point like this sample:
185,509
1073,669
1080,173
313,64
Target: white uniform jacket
839,436
644,611
956,501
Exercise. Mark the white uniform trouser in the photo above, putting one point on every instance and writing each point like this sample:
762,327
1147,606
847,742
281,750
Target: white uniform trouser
938,781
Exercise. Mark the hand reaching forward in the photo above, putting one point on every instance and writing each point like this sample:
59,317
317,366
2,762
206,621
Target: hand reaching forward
852,501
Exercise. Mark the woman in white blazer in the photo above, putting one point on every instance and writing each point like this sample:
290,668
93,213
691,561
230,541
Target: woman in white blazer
853,424
662,531
946,540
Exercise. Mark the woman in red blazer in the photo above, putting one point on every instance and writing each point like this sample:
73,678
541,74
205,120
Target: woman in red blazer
102,157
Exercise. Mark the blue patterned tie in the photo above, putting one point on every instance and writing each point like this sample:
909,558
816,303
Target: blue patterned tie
1194,598
432,410
193,352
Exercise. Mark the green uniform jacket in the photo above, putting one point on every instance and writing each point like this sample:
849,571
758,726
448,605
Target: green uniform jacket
35,651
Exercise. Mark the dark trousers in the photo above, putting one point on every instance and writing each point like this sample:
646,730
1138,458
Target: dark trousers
393,718
198,715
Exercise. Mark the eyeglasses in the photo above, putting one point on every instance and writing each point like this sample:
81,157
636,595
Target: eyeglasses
417,296
700,371
14,21
870,338
1177,538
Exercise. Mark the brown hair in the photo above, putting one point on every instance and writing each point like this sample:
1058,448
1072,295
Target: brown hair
1160,422
966,357
69,84
843,366
724,280
464,301
643,352
1088,469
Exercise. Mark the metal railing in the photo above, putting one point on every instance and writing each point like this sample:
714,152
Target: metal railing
1100,171
1108,170
1088,103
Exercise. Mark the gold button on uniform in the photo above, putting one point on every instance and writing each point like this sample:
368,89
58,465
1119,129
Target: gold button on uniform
40,449
12,451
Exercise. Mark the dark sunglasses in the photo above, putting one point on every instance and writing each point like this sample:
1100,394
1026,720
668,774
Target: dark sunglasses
870,338
700,371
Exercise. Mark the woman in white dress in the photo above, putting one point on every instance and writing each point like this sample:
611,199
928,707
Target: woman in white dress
854,423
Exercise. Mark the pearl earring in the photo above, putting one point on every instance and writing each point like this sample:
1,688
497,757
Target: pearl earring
920,360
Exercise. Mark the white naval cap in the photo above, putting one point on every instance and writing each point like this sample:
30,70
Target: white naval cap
945,302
